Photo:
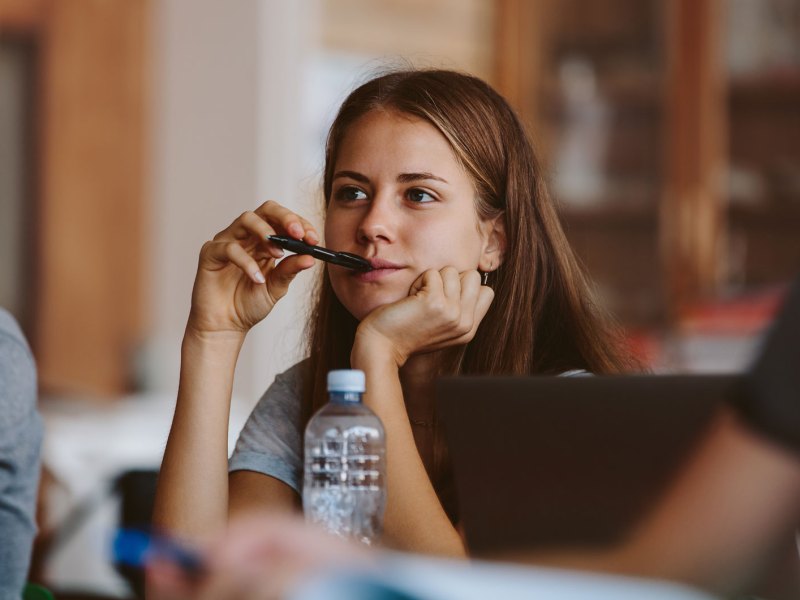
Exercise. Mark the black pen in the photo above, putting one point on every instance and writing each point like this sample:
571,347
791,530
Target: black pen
342,259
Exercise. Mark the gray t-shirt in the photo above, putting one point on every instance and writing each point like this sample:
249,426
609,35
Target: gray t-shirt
20,447
271,442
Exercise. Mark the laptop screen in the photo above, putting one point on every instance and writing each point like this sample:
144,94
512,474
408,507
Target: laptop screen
546,462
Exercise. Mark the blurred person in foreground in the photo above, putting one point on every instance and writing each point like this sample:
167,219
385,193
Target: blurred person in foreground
732,509
278,556
717,528
734,506
20,447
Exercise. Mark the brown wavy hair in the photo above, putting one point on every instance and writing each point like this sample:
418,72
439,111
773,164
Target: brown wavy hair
543,319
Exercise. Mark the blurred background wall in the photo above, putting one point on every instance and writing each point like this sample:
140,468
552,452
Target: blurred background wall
137,130
131,131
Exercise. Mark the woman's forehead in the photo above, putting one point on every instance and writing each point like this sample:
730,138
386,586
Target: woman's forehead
381,139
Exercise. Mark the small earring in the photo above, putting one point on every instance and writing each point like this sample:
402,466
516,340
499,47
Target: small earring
485,275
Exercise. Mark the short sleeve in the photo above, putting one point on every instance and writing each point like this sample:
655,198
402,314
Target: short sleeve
271,441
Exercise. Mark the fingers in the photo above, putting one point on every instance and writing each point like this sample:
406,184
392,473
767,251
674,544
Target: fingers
456,300
253,227
451,282
473,303
244,243
220,253
429,281
284,219
282,275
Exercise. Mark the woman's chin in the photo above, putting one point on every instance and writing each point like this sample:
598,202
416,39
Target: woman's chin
361,309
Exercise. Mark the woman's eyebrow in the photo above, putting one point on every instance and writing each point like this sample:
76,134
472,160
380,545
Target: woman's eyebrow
355,175
409,177
402,178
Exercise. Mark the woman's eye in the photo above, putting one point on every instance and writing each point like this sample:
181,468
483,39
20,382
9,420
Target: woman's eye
420,196
350,194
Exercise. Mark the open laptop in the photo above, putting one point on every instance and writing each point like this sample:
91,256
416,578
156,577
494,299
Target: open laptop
558,462
546,462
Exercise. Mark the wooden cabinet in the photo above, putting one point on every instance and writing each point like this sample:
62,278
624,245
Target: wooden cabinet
764,176
86,237
675,157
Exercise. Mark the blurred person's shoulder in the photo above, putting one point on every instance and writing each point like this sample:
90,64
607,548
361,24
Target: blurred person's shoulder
10,328
17,373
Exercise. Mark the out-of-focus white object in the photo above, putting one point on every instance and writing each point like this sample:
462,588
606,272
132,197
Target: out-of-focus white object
441,579
762,36
580,158
86,446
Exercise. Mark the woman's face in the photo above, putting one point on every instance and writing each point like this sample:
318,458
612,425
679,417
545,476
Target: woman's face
400,199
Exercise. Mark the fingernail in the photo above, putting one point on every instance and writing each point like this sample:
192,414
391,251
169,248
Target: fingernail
259,277
296,230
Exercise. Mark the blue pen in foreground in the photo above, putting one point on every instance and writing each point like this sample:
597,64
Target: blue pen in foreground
137,548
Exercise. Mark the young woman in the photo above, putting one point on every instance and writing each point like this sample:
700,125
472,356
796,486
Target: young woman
430,176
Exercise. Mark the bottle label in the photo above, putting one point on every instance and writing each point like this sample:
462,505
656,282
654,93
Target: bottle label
350,458
344,486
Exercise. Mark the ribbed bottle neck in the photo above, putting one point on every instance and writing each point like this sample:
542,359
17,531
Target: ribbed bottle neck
345,397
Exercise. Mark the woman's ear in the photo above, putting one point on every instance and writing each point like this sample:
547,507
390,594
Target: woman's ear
494,243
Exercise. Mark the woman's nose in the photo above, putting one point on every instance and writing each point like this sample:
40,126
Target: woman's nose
378,222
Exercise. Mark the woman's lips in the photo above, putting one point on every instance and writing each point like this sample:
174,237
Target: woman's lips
380,263
380,268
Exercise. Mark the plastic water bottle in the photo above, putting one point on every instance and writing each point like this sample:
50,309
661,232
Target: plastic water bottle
344,488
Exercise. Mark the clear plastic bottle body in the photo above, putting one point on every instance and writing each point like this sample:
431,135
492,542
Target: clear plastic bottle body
344,485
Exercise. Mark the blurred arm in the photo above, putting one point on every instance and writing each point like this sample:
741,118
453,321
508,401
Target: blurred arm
252,492
726,515
720,523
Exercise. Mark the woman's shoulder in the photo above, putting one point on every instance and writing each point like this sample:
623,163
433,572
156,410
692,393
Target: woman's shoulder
296,374
287,387
282,398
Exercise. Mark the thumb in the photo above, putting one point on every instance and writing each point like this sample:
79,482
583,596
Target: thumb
282,275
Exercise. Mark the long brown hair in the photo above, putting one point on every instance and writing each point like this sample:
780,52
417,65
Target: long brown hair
543,319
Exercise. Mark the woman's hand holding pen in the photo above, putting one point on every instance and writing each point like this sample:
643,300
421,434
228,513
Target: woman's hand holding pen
237,284
238,281
443,309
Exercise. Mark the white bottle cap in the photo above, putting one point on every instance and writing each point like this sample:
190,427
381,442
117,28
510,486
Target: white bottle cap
346,380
